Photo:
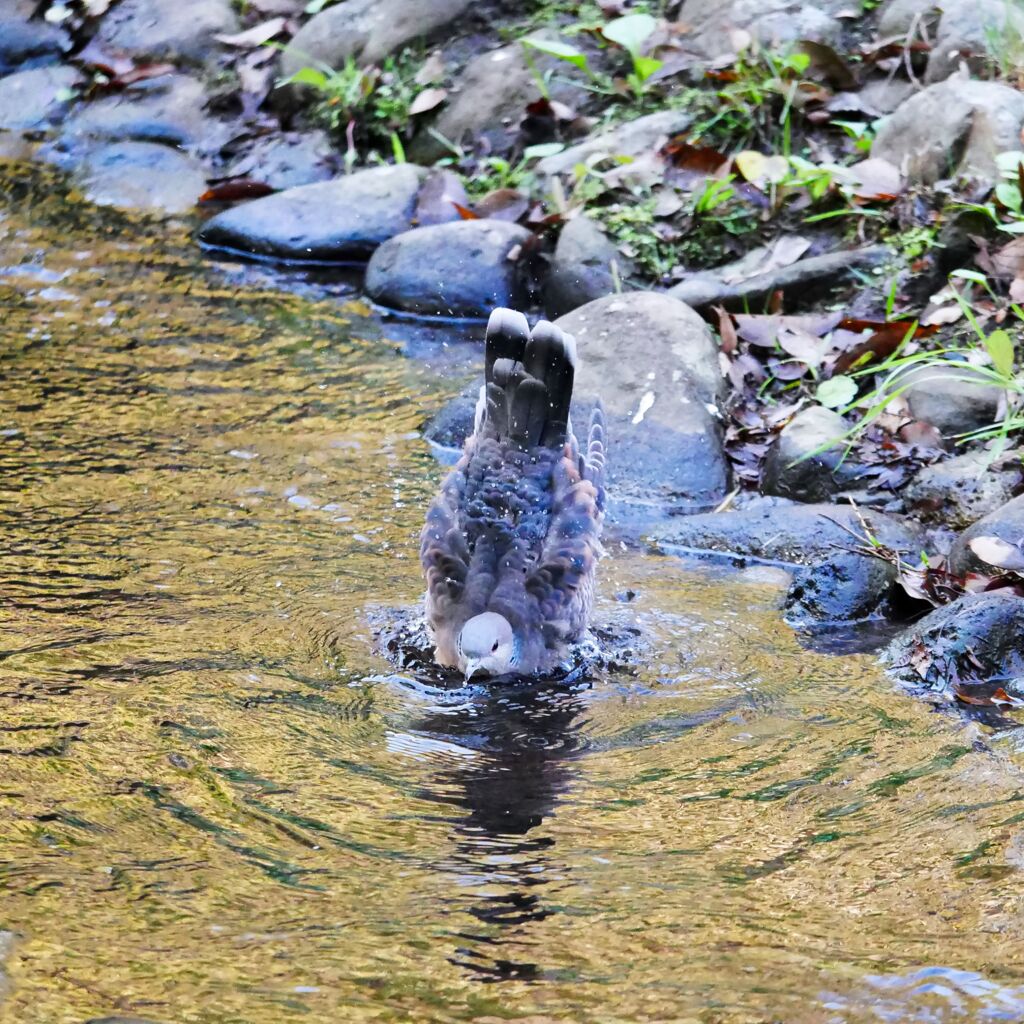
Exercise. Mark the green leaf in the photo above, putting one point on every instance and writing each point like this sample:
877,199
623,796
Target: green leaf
969,275
542,150
1000,348
1009,162
646,66
1009,195
1014,227
308,76
563,51
837,392
630,31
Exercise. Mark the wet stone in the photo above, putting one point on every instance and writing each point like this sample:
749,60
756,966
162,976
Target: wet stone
975,33
167,109
844,587
288,160
796,468
654,364
978,638
961,490
948,399
788,534
461,269
338,221
31,100
368,30
1006,523
25,44
586,265
141,176
183,29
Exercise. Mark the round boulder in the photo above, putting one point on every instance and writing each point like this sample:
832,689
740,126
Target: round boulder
368,30
184,29
979,638
952,400
586,265
1006,524
845,587
654,364
805,463
31,100
338,221
461,269
960,491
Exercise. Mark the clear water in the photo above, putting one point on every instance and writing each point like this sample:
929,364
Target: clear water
220,804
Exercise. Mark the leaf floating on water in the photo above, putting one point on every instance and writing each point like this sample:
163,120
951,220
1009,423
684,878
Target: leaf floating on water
998,552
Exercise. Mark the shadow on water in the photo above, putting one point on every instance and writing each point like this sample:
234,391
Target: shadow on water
522,744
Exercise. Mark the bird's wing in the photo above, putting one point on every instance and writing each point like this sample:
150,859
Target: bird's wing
562,582
444,552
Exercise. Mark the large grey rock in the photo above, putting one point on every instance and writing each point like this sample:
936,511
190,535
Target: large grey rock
141,176
791,534
662,458
337,221
976,639
770,22
900,17
844,587
952,400
166,109
25,43
30,100
796,468
488,102
960,491
585,266
951,129
183,29
631,139
976,33
462,269
368,30
655,366
1006,523
798,281
288,160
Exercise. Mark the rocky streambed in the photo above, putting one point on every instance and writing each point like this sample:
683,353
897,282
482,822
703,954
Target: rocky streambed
783,236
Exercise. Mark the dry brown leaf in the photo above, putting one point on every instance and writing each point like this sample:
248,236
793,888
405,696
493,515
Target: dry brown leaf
432,70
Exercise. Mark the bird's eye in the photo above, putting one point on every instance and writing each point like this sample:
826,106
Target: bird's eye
495,647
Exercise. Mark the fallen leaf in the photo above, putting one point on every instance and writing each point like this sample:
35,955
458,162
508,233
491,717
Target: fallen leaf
887,337
942,315
998,552
702,160
429,99
875,180
828,64
255,36
1001,697
233,191
762,330
503,204
432,70
726,330
837,392
439,193
465,212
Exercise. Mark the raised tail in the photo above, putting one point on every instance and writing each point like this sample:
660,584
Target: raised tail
529,378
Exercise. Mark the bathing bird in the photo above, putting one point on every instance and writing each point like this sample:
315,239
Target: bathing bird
512,540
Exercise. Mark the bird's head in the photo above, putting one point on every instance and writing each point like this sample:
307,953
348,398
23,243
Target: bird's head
487,646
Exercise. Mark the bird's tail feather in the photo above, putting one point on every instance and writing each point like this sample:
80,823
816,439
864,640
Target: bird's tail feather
529,379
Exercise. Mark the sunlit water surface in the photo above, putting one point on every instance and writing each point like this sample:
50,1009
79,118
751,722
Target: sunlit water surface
220,804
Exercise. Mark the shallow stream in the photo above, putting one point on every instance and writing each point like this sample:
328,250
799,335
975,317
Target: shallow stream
219,804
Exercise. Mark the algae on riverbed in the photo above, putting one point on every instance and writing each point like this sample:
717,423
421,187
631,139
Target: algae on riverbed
219,804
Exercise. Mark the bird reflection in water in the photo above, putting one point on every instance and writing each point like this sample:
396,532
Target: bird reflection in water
508,875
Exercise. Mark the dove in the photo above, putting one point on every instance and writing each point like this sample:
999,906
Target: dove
511,542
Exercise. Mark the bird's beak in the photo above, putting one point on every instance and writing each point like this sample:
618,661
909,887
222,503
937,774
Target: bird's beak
472,667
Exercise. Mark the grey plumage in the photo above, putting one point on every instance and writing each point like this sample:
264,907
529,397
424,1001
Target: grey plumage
515,529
